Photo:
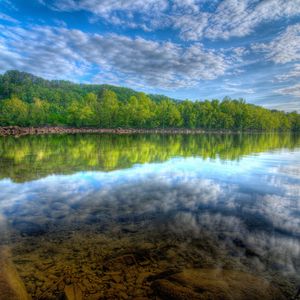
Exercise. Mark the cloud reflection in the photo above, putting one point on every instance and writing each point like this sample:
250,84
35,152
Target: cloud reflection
185,197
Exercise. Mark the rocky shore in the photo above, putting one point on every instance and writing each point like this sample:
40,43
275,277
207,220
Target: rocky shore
18,131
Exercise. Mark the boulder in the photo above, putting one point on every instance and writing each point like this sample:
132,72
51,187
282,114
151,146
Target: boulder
214,284
11,285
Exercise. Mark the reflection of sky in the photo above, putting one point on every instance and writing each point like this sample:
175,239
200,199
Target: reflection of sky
268,174
174,170
256,199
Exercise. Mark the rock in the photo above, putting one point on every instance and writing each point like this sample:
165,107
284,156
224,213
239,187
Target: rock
168,290
11,285
145,263
67,281
123,295
116,278
73,292
163,274
106,278
28,228
61,286
86,283
141,277
214,284
18,131
96,296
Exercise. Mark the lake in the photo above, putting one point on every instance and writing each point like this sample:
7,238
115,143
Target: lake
153,216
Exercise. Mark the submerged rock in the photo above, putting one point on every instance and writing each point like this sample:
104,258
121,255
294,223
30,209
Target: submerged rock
27,228
214,284
73,292
11,285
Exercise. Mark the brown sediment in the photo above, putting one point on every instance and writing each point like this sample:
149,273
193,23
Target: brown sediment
18,131
93,265
215,284
11,285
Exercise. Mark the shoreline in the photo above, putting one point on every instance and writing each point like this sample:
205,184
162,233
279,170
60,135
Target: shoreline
19,131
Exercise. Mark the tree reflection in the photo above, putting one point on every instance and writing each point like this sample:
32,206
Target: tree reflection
33,157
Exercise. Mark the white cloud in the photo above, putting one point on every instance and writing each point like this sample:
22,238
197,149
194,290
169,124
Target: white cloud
285,48
8,5
60,52
293,90
106,7
293,74
240,17
238,90
224,19
7,18
118,12
42,51
191,27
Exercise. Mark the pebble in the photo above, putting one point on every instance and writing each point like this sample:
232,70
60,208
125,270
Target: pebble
116,278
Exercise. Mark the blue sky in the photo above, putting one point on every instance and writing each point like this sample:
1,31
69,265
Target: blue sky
196,49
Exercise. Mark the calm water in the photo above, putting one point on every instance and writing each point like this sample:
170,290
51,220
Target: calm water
153,217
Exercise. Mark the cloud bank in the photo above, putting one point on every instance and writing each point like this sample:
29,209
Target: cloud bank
194,21
195,49
52,51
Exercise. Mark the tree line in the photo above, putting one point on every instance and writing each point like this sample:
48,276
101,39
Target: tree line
27,100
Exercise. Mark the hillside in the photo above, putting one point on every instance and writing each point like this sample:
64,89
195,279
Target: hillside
28,100
27,86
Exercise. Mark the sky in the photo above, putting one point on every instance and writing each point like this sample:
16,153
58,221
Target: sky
195,49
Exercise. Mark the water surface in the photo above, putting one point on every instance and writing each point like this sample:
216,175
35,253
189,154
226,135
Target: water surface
111,215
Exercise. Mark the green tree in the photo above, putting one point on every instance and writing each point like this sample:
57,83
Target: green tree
188,114
38,112
108,109
14,112
168,114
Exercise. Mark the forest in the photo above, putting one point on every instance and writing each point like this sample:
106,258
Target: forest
28,100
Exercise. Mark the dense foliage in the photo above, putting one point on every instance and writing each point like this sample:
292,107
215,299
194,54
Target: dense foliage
27,100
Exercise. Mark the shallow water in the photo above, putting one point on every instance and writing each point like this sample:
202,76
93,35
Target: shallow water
115,217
